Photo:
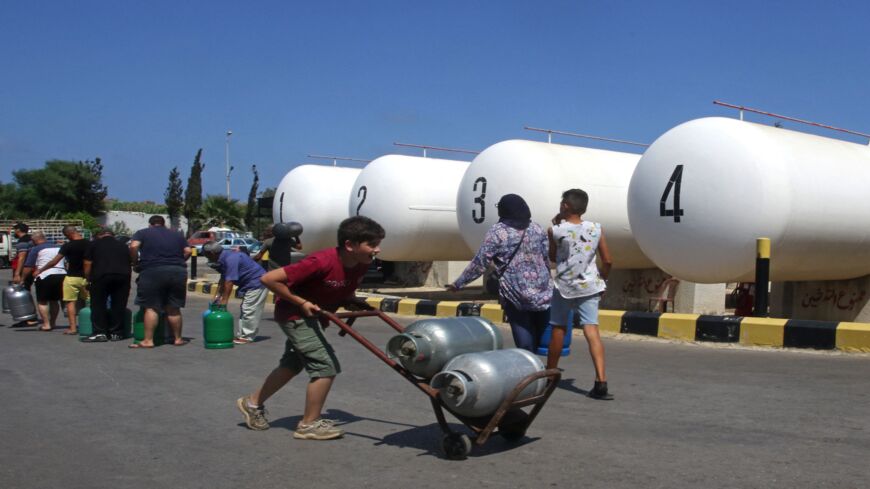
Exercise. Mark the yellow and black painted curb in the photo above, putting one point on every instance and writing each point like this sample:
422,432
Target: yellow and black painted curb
750,331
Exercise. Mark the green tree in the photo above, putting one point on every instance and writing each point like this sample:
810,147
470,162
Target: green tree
217,210
60,187
174,196
147,207
193,194
8,192
89,222
251,208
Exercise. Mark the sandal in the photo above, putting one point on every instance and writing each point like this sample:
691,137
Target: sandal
139,346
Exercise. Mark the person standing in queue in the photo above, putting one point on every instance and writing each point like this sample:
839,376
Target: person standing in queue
518,249
162,283
75,287
49,280
107,269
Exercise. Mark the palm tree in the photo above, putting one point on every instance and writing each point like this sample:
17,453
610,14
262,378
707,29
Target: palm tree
220,211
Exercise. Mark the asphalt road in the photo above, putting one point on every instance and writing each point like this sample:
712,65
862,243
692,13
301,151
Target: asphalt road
685,416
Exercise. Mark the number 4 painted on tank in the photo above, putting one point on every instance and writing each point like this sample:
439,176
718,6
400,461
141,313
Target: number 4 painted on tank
673,183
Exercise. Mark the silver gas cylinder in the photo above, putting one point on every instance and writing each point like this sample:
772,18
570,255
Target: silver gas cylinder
7,290
427,345
21,304
475,384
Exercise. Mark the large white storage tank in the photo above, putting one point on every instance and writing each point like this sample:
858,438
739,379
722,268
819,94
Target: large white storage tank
315,196
540,172
414,199
706,189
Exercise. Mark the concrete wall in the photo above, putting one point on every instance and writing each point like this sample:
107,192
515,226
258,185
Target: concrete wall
834,300
136,220
631,290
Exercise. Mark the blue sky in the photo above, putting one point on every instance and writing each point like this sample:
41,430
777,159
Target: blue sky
143,85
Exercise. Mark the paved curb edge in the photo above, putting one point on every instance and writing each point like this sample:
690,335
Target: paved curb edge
750,331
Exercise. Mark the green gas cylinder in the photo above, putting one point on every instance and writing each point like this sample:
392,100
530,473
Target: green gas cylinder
85,324
217,328
139,328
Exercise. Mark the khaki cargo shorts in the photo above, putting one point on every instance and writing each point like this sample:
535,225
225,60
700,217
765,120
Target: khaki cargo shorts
307,348
74,288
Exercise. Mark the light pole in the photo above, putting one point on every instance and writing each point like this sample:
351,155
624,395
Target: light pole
229,168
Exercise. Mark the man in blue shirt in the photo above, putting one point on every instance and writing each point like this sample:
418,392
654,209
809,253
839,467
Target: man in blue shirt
237,268
159,255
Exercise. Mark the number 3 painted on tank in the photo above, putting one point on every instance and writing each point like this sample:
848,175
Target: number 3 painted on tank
479,200
673,183
364,191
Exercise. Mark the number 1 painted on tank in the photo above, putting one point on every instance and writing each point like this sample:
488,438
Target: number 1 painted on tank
673,183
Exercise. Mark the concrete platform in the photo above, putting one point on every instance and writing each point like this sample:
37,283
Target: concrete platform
747,331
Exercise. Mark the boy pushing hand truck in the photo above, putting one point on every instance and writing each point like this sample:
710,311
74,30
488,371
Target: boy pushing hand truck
326,280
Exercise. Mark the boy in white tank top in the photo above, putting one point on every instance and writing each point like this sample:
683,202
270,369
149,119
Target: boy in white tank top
579,284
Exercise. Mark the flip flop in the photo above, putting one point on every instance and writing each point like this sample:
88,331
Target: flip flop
44,329
183,342
139,346
71,332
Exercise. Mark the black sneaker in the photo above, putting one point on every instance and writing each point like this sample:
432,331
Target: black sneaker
599,391
115,337
95,338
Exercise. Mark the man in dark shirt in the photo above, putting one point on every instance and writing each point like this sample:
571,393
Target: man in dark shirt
22,245
75,287
107,269
162,283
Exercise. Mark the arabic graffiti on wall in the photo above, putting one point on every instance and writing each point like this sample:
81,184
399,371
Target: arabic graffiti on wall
844,298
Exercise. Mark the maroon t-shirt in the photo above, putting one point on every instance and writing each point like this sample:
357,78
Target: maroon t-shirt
319,278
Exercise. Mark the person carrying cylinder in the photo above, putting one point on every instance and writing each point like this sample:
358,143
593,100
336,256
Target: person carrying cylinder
278,248
579,284
237,268
518,249
324,280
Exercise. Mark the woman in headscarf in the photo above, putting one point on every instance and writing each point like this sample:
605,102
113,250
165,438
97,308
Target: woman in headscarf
517,247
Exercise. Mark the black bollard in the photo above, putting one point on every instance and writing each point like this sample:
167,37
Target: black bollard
762,276
193,264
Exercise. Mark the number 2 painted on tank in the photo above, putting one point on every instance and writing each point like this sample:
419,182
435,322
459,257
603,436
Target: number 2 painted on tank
674,183
481,200
364,192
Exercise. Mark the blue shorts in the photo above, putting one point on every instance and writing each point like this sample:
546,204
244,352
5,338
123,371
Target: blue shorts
584,309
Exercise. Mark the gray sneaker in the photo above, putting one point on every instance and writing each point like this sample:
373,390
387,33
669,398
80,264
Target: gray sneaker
320,429
255,417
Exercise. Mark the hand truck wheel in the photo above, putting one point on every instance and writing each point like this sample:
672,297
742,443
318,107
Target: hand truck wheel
513,425
456,446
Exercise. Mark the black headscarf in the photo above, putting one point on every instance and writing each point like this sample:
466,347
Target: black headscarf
513,211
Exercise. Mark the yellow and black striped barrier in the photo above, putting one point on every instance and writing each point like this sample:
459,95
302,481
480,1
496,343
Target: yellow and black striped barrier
750,331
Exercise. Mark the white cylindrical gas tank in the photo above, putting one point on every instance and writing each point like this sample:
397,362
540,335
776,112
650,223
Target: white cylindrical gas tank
540,172
316,197
414,199
707,189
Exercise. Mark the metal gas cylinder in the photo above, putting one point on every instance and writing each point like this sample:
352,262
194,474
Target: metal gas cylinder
7,290
475,384
427,345
20,303
217,328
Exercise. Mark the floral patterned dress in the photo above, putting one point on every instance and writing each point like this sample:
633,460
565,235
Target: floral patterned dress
526,282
